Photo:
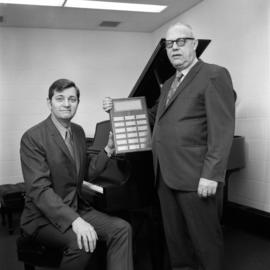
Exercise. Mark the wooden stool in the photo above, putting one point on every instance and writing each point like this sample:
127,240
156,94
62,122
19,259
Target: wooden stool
32,254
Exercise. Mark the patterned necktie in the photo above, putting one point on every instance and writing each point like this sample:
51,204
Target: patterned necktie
174,86
69,143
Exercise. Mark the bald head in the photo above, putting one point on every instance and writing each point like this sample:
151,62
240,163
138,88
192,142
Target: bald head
181,27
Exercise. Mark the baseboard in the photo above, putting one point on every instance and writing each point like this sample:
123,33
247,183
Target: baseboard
245,217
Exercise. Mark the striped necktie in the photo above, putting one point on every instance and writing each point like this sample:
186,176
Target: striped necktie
174,86
69,143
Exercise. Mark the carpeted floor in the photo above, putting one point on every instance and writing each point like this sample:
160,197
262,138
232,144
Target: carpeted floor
244,249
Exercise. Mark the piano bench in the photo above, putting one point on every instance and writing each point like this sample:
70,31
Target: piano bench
11,201
34,254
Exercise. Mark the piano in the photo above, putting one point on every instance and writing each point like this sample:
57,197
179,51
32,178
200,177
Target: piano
128,182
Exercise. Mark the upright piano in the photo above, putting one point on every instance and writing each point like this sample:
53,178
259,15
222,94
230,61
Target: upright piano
128,183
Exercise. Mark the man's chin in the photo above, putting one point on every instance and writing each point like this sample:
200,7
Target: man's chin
66,114
66,117
178,65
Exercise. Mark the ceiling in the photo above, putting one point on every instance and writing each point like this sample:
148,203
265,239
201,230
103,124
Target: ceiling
72,18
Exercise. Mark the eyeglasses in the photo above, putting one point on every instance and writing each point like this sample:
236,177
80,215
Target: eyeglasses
61,99
180,42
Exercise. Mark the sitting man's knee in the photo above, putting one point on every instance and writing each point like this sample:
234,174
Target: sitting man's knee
124,226
122,229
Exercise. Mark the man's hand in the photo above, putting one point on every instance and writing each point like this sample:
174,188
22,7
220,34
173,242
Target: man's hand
107,104
86,234
110,145
207,187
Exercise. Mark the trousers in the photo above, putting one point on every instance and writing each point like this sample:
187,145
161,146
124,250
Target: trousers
116,233
192,229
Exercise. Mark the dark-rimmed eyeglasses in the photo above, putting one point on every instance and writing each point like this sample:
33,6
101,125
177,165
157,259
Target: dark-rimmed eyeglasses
180,42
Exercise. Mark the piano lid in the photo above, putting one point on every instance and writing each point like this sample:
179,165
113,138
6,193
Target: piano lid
157,71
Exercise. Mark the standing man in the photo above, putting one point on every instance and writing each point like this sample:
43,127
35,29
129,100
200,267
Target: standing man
54,164
192,136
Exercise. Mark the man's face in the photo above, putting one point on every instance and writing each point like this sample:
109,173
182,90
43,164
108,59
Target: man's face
63,105
181,57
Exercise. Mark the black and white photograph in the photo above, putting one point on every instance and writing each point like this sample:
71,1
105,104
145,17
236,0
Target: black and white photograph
134,134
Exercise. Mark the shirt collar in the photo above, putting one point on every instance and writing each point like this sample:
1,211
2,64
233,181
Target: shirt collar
62,130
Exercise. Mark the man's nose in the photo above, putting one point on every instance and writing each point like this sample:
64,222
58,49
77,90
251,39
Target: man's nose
66,102
175,46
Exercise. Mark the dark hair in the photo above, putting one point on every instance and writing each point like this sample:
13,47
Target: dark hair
60,85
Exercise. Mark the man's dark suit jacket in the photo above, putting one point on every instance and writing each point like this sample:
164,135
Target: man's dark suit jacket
192,136
53,185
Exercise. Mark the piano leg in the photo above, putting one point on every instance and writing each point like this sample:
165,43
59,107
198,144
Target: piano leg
158,247
149,249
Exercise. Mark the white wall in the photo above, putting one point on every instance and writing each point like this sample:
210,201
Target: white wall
101,63
240,34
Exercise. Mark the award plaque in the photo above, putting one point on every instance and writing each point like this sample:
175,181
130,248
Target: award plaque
130,125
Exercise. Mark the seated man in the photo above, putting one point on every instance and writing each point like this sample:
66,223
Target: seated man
54,165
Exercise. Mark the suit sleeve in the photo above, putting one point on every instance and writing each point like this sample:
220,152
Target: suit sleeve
97,165
39,187
220,115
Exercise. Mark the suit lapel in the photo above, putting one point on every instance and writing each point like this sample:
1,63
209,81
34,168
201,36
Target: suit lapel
163,98
186,81
56,136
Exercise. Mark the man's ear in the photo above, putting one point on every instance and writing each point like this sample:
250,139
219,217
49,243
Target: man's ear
49,103
195,44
